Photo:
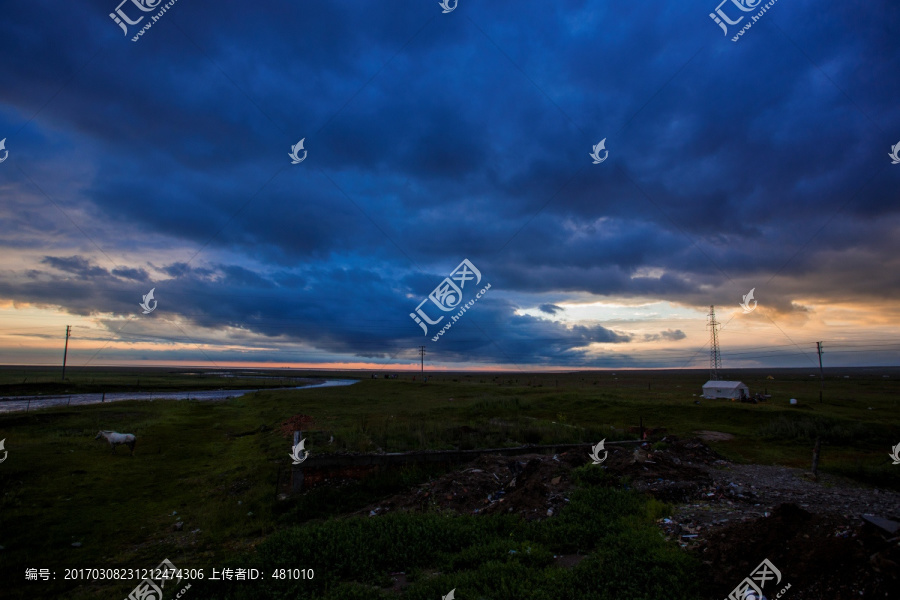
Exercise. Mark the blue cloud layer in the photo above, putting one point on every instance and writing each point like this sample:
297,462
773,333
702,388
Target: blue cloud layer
433,138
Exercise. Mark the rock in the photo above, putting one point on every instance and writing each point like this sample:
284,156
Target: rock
885,524
882,564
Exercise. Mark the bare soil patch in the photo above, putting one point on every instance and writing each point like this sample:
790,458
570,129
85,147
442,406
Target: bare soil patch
296,423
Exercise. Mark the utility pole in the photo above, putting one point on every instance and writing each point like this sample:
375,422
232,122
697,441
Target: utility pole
422,357
821,371
66,352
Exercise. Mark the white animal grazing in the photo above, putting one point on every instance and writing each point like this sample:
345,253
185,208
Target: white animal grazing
114,438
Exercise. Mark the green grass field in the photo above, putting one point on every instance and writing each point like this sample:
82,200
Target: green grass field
35,381
59,486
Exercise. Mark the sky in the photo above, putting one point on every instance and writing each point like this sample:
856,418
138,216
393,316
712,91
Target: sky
543,186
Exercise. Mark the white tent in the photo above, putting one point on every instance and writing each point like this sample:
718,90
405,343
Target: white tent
725,389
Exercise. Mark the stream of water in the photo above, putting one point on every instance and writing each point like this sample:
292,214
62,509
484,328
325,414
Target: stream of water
24,403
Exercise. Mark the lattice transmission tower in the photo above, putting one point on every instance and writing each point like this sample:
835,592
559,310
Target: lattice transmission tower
715,358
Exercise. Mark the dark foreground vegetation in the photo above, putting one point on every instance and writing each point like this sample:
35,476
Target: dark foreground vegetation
203,486
490,557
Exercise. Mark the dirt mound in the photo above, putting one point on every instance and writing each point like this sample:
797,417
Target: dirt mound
531,485
535,486
673,471
825,557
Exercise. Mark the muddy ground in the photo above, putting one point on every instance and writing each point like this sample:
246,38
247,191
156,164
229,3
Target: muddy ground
729,516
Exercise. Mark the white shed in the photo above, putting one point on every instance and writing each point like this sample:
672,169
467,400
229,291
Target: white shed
725,389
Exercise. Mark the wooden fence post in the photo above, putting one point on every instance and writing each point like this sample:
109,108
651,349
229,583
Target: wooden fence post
815,460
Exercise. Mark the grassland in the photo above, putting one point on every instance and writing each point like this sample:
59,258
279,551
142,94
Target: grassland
215,466
36,381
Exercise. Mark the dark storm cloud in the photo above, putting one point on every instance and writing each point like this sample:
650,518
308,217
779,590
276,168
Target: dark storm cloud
133,274
550,309
731,166
74,265
669,334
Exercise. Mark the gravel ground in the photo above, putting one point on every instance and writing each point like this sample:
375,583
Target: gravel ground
743,492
